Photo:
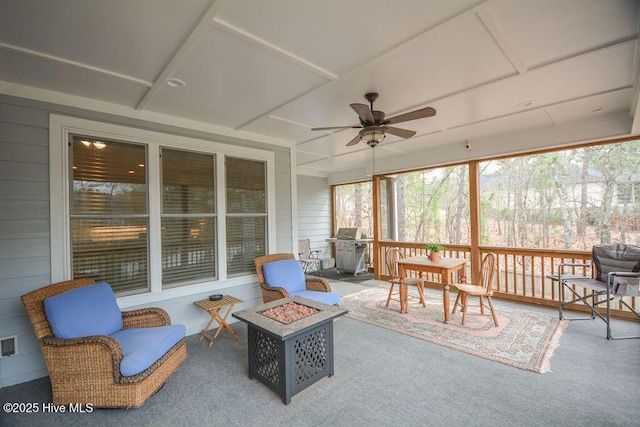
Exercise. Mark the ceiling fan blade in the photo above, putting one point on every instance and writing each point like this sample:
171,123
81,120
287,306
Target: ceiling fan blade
354,141
402,133
364,112
413,115
338,127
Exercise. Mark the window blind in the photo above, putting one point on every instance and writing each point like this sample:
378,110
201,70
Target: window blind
246,213
188,217
109,218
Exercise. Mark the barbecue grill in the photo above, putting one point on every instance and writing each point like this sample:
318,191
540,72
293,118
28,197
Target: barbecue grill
351,249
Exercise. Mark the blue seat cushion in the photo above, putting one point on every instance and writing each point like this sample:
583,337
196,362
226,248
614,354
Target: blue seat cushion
330,298
82,312
142,347
286,273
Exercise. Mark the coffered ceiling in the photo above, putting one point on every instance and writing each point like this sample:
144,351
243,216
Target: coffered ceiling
504,75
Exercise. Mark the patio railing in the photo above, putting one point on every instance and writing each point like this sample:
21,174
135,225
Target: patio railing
521,274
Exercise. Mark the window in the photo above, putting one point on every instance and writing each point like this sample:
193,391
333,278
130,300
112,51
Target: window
109,218
188,217
156,215
629,193
246,213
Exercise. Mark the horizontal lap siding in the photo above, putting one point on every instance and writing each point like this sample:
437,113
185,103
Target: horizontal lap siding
314,213
24,231
284,221
25,225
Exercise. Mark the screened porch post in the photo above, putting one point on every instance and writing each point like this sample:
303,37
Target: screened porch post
334,220
474,213
377,230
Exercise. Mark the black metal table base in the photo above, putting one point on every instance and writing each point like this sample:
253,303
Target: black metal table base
289,366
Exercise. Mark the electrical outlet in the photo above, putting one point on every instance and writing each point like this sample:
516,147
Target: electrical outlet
8,346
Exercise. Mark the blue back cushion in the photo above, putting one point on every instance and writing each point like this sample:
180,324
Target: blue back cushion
286,273
81,312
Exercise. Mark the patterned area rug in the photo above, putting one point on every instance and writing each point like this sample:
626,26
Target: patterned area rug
524,339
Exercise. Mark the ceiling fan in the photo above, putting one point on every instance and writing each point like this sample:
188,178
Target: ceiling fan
374,126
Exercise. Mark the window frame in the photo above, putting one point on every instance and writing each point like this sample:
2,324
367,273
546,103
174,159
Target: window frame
82,215
60,130
172,215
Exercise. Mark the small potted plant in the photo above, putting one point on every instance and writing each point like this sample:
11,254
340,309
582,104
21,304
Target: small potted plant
434,249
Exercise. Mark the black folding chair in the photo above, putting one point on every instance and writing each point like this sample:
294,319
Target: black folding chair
617,275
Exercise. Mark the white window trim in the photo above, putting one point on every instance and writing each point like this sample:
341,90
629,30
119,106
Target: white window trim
61,127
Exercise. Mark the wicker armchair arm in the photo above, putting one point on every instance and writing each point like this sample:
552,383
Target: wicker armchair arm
109,343
318,284
145,318
272,293
79,354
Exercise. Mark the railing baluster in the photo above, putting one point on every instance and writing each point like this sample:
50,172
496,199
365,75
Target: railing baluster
512,271
523,267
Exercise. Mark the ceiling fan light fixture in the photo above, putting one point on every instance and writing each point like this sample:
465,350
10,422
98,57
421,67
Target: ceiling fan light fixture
374,125
372,135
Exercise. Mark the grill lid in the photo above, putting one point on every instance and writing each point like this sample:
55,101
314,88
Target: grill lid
346,233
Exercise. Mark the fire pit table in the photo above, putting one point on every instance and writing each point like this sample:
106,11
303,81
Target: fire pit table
290,343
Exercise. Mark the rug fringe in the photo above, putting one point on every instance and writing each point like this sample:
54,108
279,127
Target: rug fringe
554,343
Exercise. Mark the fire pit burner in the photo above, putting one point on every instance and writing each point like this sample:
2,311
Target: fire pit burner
289,312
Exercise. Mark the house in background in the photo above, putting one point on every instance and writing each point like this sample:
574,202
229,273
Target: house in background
242,83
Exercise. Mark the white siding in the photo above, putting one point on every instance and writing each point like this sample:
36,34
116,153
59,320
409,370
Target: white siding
314,213
24,225
24,231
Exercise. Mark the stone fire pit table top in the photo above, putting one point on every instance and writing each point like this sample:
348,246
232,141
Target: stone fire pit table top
255,317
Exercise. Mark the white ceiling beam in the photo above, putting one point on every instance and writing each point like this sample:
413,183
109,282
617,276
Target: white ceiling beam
282,119
263,44
195,34
238,32
74,64
501,39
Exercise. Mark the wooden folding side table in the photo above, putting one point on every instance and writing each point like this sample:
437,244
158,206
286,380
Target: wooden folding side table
213,308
